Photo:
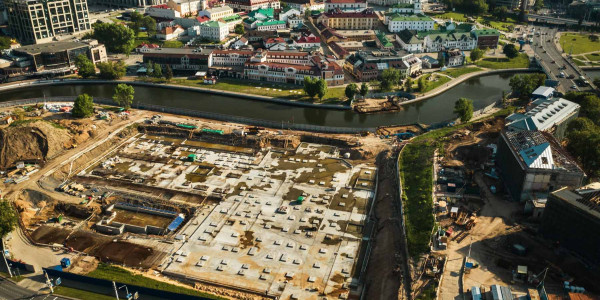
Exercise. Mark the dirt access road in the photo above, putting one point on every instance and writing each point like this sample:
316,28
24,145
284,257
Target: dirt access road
495,218
384,272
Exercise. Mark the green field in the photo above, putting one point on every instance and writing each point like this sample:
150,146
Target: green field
108,272
593,56
578,43
80,294
416,175
441,80
521,61
455,16
335,95
457,72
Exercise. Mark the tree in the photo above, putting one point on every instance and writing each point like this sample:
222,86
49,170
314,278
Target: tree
504,97
83,106
321,87
442,60
157,70
476,54
464,109
593,37
168,73
500,13
539,4
85,67
5,42
583,142
112,70
150,25
408,84
310,86
8,218
239,29
524,85
124,95
597,81
117,38
351,91
422,84
364,89
510,50
389,79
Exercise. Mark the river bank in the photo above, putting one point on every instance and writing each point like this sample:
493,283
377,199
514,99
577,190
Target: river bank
483,90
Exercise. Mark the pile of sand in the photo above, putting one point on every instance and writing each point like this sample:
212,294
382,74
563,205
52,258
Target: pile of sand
31,142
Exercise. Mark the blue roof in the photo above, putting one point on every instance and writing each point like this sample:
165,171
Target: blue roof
176,223
529,155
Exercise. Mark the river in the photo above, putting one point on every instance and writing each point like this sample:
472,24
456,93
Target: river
482,90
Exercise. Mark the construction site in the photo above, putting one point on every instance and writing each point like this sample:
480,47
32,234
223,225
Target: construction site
263,212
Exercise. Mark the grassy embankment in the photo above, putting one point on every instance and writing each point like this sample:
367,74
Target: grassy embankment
335,95
521,61
416,175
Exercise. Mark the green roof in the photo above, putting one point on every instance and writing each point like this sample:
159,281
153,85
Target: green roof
403,5
269,12
270,22
461,28
231,18
384,40
213,24
483,32
399,17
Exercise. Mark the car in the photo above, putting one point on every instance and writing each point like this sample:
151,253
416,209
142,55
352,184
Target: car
553,61
571,76
545,51
574,86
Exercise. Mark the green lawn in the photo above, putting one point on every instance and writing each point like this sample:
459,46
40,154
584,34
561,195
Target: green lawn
335,95
441,80
579,62
455,16
80,294
593,56
416,175
142,37
108,272
579,43
457,72
500,25
521,61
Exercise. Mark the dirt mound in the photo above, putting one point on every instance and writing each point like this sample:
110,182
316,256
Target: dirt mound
34,141
50,235
125,253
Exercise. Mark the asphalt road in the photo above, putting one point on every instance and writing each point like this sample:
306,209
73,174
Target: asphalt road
10,291
553,61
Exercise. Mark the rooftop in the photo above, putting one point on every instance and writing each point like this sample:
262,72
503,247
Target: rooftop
544,91
51,47
345,1
404,18
485,32
586,199
544,115
213,24
219,9
539,150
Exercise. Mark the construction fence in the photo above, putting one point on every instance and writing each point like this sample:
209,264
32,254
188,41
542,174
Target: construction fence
206,115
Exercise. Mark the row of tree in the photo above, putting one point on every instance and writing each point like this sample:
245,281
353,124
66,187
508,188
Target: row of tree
83,105
583,134
155,70
352,90
108,70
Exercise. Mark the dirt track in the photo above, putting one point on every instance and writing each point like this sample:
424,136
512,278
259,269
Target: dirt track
384,270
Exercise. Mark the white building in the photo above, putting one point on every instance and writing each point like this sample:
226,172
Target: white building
186,7
294,22
358,5
214,30
287,13
216,13
303,5
170,33
398,22
162,11
438,42
410,8
409,41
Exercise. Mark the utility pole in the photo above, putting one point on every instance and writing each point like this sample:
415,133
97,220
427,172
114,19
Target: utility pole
49,282
116,291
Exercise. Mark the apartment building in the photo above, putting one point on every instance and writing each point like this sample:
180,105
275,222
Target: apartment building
162,11
397,22
128,3
346,5
186,7
338,19
303,5
231,21
414,8
454,57
269,25
250,5
35,21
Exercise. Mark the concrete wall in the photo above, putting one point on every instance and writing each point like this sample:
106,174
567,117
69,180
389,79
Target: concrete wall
110,229
163,213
